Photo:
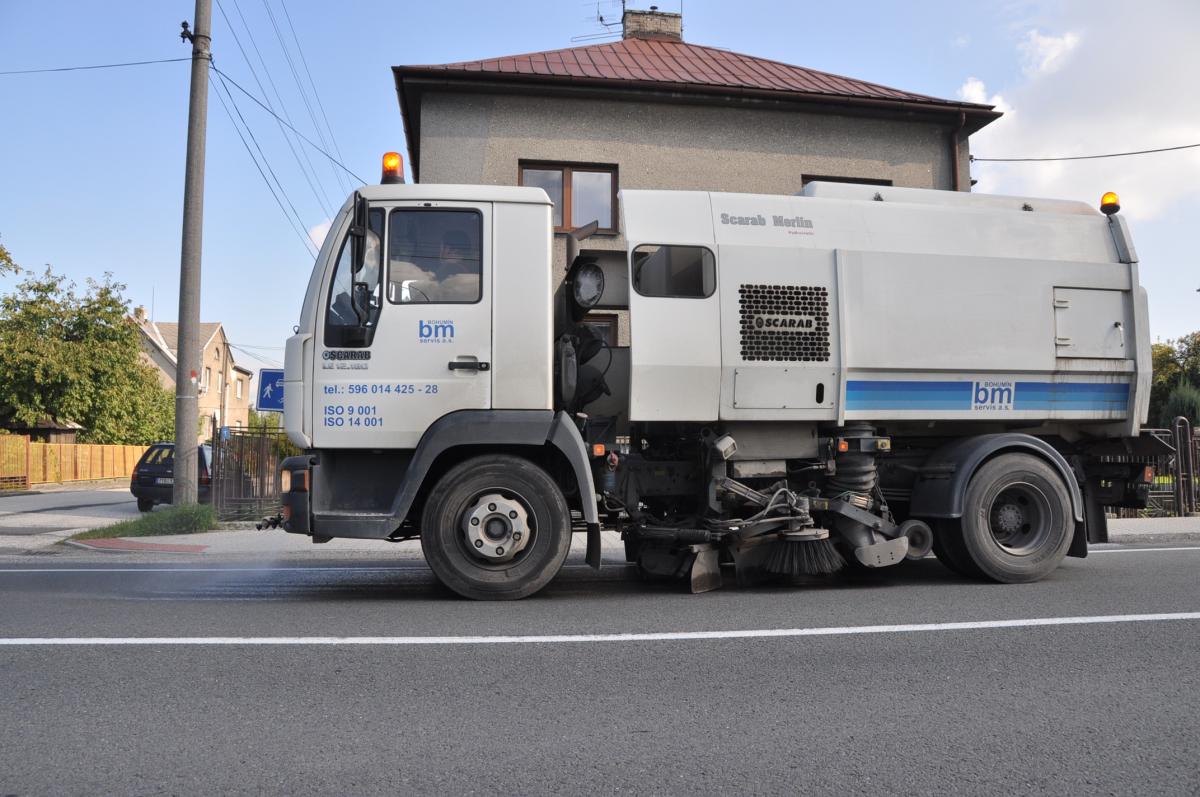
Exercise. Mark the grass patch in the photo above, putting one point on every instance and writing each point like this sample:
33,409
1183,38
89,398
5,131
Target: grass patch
191,519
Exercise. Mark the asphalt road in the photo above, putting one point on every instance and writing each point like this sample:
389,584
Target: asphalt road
1095,707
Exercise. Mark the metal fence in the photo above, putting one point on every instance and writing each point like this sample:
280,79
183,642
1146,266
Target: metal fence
244,481
24,463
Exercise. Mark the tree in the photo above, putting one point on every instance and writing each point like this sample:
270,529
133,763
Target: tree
76,356
263,421
1183,400
1176,363
6,261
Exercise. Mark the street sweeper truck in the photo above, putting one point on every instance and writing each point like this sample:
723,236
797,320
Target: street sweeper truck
846,378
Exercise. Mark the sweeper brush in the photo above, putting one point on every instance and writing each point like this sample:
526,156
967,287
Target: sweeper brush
803,553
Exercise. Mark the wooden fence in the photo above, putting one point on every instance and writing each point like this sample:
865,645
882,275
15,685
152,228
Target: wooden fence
23,464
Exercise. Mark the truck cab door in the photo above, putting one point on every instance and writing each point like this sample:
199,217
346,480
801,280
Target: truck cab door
424,347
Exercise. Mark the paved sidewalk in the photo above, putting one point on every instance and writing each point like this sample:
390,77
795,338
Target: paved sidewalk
1154,530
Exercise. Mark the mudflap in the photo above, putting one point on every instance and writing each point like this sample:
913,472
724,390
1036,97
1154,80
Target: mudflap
593,546
705,572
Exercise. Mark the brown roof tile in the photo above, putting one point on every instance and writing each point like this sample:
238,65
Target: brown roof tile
655,61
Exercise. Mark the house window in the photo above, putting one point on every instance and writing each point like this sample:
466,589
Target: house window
581,192
603,326
238,387
207,377
824,178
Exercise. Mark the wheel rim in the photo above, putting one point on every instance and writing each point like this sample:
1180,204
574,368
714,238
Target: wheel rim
1020,518
496,528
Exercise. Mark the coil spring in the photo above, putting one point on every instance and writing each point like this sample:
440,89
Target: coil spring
856,474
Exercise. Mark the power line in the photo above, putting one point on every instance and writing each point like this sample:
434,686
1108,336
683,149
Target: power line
316,94
95,66
321,201
283,106
258,357
300,86
267,164
271,188
289,126
1085,157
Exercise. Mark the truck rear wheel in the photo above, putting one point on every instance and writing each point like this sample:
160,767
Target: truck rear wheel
1017,522
495,528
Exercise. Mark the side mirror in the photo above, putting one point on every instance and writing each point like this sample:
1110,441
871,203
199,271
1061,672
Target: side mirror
358,234
360,301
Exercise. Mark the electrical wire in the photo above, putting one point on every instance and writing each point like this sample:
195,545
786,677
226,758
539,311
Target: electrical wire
322,202
95,66
250,152
258,357
266,163
300,86
303,137
1084,157
316,95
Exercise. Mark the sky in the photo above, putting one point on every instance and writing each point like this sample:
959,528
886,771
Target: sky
92,162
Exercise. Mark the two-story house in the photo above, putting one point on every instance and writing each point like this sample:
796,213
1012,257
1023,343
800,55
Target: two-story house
224,390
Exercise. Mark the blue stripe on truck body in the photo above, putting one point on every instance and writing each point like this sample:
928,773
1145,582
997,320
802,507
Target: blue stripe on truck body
886,394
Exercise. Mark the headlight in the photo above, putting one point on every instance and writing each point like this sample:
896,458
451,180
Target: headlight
588,285
285,481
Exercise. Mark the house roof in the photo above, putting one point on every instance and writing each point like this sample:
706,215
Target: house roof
170,334
664,65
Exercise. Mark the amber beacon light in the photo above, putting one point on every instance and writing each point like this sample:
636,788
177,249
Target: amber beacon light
393,168
1110,203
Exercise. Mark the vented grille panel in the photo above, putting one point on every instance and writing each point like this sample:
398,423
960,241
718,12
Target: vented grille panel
788,323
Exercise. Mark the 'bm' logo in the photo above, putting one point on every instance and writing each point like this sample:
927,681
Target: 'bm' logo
435,331
993,396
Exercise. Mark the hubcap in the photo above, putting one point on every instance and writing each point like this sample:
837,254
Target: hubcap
1020,518
497,528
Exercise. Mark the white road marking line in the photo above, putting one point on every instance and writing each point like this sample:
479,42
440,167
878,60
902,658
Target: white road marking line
1142,550
418,567
1035,622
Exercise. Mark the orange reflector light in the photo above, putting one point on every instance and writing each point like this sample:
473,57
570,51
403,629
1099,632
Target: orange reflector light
598,450
393,168
843,446
1148,474
1110,203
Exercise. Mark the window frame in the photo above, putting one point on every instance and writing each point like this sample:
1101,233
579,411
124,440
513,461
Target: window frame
566,168
611,320
347,241
805,179
633,281
387,242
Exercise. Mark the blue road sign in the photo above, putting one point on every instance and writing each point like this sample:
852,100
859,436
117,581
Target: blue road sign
270,389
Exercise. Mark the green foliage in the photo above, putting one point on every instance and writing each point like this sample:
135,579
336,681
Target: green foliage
264,421
1184,399
76,356
1176,363
6,262
184,519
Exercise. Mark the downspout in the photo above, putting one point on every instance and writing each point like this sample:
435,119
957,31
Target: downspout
955,140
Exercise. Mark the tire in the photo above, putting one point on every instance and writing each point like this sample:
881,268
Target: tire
948,548
511,485
1017,522
145,504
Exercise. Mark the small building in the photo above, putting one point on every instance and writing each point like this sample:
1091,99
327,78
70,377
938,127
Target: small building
47,430
654,111
224,387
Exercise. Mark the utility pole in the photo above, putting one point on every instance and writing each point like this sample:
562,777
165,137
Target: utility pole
187,364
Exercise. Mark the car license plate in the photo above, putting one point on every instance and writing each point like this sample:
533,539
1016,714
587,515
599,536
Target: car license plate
164,480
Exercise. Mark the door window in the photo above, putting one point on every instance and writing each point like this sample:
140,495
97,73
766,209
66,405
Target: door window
435,256
343,327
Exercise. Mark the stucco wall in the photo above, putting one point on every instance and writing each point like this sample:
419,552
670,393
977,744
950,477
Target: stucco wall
480,139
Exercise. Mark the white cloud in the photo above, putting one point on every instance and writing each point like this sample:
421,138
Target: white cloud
1041,55
1076,98
317,232
961,41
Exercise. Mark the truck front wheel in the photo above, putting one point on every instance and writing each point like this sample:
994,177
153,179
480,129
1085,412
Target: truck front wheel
495,528
1017,522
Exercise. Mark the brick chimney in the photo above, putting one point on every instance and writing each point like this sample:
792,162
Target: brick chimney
139,313
652,24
